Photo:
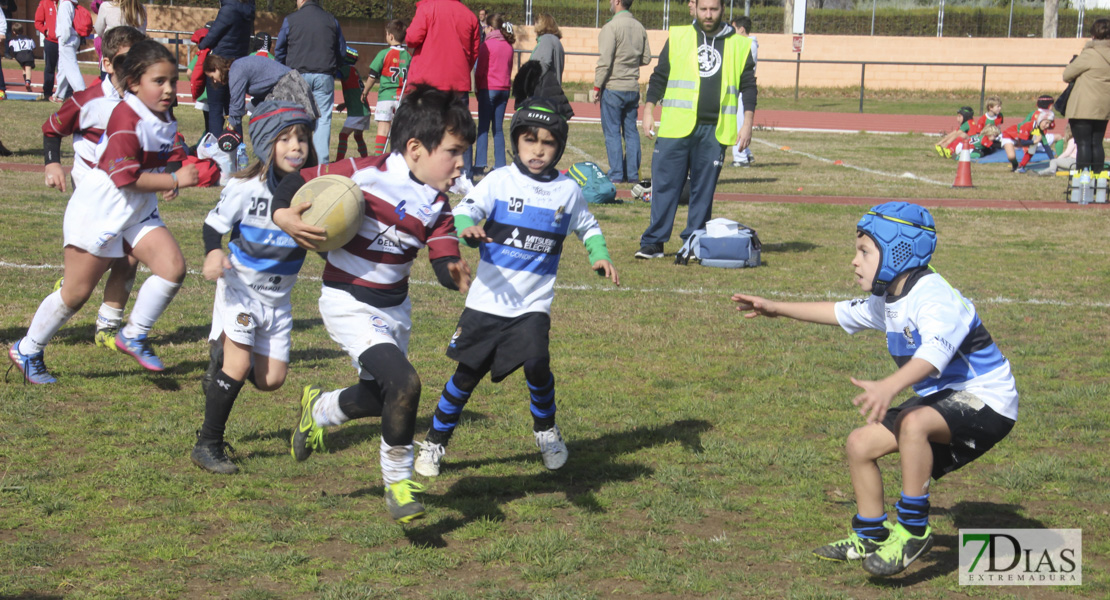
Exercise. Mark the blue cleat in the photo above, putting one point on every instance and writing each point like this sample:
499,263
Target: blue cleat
140,349
33,367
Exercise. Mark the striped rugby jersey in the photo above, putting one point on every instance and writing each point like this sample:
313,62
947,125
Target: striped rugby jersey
137,141
403,215
265,258
84,116
932,321
528,221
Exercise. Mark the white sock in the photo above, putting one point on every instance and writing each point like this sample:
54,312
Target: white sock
108,317
49,318
327,412
153,298
396,463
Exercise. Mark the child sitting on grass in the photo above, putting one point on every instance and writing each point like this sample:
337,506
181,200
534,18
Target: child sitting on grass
966,400
963,123
528,208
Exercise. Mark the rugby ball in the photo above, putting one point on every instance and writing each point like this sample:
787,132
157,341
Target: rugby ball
338,207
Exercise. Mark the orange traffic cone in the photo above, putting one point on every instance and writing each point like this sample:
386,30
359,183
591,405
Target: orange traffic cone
963,171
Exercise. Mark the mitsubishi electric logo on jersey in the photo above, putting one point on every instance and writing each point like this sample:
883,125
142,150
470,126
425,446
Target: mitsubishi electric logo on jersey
514,239
538,243
1021,557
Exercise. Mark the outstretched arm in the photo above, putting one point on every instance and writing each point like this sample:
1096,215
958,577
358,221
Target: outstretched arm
877,395
823,313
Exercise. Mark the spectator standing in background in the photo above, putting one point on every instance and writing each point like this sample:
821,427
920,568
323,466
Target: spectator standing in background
703,71
114,13
3,48
742,157
1088,107
493,78
46,18
311,42
549,46
623,49
68,43
444,38
229,37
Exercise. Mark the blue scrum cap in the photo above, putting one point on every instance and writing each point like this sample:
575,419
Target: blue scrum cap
906,236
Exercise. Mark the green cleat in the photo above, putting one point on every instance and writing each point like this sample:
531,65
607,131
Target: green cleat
106,338
402,505
308,437
850,548
898,551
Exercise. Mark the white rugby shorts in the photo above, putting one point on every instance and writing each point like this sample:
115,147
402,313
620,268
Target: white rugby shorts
356,326
237,313
100,218
385,110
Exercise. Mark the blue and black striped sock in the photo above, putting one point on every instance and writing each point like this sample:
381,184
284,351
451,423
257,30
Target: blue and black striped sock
913,513
871,529
447,414
543,405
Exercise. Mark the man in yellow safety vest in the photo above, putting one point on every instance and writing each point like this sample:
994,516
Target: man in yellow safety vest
704,70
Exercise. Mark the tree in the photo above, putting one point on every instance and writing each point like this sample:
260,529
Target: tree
1051,18
788,16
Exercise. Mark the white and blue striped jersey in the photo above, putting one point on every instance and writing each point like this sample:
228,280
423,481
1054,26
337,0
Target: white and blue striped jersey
528,221
932,321
264,257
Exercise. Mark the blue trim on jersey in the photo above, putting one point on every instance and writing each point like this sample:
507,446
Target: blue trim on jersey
518,259
266,237
532,217
964,367
264,265
898,345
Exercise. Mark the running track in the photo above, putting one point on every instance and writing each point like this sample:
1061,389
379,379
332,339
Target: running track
775,119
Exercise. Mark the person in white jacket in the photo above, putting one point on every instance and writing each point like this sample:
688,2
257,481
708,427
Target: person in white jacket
68,43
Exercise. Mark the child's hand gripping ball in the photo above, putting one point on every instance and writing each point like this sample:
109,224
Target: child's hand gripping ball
337,207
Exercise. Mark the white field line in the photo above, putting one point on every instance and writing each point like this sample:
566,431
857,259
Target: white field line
695,291
848,166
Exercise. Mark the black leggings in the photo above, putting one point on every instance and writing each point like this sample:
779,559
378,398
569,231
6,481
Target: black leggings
393,394
1088,134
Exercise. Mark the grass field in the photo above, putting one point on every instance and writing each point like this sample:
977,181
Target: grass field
706,451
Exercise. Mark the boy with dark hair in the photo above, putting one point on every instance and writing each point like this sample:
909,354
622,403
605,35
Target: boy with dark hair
964,118
528,208
389,68
365,303
84,116
966,398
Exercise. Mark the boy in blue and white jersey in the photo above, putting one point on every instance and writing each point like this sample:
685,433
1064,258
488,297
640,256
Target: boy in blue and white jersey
252,318
528,208
966,399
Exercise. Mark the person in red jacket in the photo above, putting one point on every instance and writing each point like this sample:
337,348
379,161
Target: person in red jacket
46,16
443,38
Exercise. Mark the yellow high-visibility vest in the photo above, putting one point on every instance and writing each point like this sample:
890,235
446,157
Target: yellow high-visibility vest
680,100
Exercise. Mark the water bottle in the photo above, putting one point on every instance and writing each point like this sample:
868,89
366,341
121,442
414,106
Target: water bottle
1087,193
241,157
1100,188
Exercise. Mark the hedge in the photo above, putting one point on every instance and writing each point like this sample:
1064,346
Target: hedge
958,22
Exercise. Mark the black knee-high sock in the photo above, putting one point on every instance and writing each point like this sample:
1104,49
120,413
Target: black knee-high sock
217,407
361,400
393,394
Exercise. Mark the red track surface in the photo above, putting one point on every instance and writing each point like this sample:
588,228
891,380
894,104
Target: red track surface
764,118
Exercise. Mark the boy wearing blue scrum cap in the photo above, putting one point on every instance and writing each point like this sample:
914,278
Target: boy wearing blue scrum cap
966,399
528,209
